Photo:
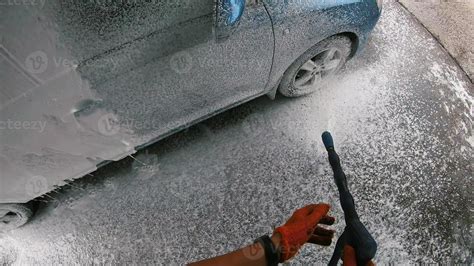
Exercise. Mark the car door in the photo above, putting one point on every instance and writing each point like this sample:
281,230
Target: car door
192,65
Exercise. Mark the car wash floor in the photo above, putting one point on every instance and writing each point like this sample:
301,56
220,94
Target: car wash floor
401,115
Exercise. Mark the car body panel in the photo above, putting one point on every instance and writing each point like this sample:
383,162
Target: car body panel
119,78
299,25
99,105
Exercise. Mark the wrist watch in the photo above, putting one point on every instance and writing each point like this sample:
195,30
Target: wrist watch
272,254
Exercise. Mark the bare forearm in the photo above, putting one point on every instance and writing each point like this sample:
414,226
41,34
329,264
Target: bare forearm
252,255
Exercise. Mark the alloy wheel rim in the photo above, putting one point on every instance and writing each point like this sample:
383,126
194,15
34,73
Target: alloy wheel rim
317,69
8,217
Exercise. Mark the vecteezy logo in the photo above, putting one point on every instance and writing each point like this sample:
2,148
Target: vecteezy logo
181,62
108,125
36,62
254,252
36,185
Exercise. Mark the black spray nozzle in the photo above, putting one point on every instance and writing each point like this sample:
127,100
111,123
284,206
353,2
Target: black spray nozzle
339,175
327,140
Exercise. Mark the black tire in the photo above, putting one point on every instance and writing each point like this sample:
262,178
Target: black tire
14,215
342,44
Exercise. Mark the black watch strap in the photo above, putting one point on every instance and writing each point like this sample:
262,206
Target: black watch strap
272,254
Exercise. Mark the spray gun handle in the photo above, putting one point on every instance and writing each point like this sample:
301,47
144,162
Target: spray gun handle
356,234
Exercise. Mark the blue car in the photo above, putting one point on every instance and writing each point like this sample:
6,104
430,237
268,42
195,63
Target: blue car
85,83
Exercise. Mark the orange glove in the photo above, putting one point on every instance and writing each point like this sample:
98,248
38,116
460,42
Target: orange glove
350,259
302,227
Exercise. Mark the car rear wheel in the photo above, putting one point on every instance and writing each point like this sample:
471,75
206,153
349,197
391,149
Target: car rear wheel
14,215
312,70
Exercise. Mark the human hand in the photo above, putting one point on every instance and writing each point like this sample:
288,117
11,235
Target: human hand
302,227
350,258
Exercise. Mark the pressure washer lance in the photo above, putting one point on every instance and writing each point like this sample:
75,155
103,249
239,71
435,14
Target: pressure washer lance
355,234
